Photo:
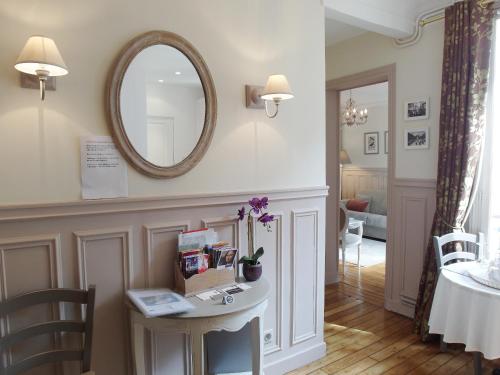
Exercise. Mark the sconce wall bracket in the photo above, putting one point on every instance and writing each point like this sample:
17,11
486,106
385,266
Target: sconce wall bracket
252,94
29,81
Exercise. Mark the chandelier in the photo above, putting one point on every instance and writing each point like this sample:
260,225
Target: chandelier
353,116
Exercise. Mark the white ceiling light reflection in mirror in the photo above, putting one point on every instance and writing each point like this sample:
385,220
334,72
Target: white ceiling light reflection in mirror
162,105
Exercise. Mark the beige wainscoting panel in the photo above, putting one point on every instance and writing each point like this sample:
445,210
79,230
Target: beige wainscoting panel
356,179
272,262
304,263
161,252
105,259
228,229
414,206
29,263
122,243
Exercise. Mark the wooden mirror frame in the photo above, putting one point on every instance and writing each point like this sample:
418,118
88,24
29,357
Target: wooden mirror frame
113,88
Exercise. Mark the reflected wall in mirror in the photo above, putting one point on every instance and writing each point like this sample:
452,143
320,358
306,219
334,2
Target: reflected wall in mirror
162,104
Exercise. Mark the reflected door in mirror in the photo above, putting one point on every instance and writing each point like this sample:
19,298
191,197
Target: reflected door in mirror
162,105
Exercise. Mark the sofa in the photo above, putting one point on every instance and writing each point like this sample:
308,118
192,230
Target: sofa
375,214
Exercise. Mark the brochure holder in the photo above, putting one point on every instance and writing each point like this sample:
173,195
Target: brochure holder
211,278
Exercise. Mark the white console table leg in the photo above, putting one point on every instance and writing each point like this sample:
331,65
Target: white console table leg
198,352
138,348
257,327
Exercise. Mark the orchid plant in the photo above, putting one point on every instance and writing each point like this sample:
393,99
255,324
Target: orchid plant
257,207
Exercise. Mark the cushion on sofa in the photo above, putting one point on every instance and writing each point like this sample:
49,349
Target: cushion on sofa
378,201
367,198
357,205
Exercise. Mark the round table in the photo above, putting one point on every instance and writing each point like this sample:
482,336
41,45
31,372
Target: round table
211,315
465,311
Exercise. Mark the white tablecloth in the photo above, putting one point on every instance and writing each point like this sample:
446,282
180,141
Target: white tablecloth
466,312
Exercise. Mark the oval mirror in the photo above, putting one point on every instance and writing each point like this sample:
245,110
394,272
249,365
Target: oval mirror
162,104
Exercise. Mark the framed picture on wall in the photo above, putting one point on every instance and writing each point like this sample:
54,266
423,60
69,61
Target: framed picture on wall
416,139
417,109
371,143
386,142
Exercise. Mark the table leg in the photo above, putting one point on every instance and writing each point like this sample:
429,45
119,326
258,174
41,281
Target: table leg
478,370
198,352
257,327
137,331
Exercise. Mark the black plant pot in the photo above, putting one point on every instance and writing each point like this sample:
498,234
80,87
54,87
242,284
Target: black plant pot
252,272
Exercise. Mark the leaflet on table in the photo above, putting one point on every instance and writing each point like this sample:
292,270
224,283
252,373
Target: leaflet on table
233,289
158,302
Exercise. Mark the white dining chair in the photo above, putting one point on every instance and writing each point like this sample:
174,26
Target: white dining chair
472,247
348,239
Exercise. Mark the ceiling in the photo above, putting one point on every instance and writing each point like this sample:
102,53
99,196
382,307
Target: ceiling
346,19
336,31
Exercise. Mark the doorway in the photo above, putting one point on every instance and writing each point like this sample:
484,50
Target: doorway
365,144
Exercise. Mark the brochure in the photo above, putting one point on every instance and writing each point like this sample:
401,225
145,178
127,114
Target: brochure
158,302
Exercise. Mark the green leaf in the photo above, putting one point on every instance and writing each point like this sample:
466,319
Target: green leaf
245,259
258,254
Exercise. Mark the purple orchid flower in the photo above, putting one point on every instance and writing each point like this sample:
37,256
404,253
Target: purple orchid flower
255,203
241,213
264,202
265,218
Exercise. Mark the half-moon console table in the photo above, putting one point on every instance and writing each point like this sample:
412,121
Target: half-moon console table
248,306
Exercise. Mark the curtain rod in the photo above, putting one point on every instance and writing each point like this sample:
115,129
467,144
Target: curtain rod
439,17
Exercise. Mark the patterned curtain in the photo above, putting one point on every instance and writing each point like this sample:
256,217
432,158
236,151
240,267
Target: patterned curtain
467,44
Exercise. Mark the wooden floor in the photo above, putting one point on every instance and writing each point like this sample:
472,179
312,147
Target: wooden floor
363,338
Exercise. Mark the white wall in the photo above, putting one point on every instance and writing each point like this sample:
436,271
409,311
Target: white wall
242,41
179,102
418,73
353,139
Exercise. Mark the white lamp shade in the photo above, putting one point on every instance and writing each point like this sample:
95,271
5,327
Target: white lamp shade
41,54
344,157
277,88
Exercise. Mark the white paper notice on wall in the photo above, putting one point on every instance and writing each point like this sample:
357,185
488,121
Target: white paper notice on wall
103,170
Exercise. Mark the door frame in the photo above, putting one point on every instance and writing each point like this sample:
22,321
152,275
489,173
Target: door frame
387,74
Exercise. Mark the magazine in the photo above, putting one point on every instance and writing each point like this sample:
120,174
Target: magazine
197,239
158,302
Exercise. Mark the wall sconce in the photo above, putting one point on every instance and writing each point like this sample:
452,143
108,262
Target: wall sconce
276,90
41,59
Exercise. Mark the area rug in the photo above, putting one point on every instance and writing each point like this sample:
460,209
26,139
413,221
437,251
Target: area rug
372,252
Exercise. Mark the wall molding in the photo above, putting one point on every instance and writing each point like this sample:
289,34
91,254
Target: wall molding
225,221
356,179
415,183
52,243
279,259
124,233
314,212
150,231
11,213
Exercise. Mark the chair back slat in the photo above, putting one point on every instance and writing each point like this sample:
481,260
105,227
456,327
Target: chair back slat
469,242
40,329
39,359
458,255
42,296
22,301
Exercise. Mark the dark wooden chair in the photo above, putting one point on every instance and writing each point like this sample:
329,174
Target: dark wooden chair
22,301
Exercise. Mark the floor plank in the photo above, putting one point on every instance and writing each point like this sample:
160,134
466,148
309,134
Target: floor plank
364,338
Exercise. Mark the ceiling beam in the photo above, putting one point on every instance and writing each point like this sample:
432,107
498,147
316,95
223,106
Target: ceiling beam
380,16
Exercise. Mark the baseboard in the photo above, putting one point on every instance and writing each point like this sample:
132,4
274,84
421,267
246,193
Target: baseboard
296,360
400,308
331,278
